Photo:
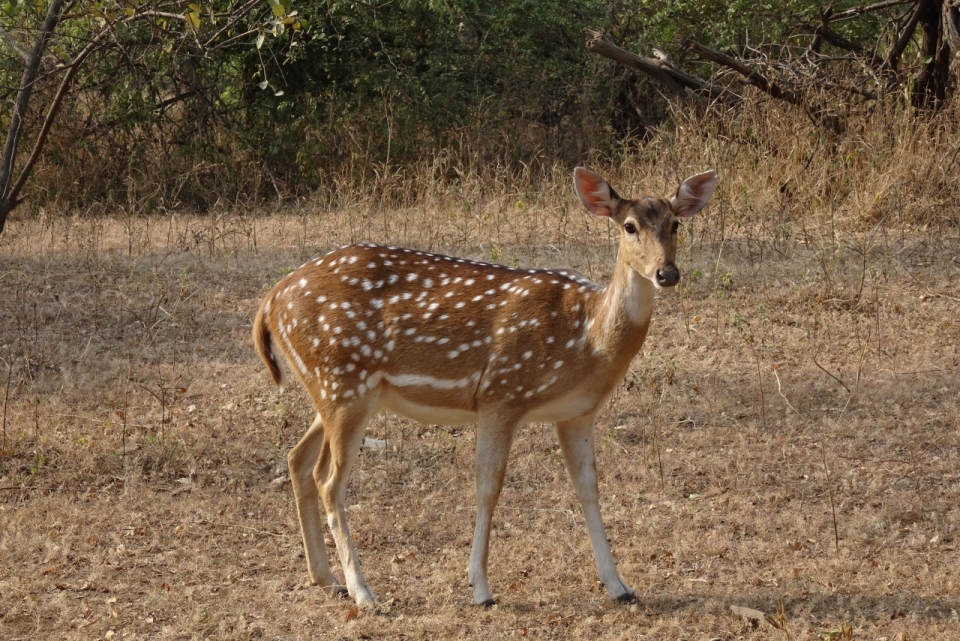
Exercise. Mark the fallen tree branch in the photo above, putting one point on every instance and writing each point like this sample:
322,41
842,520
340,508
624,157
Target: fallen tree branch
753,77
604,46
676,80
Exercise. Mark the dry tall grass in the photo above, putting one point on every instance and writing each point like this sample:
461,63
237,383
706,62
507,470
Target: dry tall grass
788,434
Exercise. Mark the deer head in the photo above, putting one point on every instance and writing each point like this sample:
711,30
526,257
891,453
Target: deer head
648,226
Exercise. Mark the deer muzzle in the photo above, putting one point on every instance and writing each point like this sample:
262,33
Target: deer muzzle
668,275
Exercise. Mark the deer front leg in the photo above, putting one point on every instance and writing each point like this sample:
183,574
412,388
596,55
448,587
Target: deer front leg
493,449
301,461
576,442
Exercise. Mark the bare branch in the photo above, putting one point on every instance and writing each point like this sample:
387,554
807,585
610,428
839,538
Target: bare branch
237,15
823,31
847,14
15,45
371,6
65,84
230,41
860,92
893,59
180,97
163,14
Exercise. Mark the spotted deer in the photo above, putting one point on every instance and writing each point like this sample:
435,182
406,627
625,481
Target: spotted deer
448,340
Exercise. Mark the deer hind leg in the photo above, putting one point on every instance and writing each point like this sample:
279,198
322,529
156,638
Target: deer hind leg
493,449
301,461
339,452
576,442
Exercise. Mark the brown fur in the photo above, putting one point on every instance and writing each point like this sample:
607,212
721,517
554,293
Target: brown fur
263,343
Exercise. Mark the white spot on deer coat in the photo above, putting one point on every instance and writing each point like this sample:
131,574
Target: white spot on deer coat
420,380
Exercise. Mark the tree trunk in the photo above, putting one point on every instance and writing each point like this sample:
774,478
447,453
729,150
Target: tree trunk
951,23
8,196
931,84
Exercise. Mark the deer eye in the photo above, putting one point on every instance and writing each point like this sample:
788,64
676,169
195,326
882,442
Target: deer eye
630,228
674,227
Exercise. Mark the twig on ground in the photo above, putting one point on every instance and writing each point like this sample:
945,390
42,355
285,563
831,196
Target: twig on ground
824,370
242,527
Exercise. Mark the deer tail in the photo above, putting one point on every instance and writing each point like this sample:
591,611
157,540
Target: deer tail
263,342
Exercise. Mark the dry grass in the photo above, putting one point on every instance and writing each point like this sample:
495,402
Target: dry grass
789,432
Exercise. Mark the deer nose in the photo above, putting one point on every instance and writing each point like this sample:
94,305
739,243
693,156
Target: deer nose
668,275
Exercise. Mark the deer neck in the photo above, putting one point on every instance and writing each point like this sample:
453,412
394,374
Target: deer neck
621,314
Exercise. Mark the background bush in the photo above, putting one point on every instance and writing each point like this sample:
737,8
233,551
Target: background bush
337,94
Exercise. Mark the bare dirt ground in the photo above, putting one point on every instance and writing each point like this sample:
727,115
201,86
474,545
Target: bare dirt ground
787,441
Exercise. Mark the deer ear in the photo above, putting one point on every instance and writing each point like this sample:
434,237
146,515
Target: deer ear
596,195
693,194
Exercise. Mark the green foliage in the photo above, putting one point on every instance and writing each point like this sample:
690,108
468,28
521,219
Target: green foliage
730,24
190,95
410,75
